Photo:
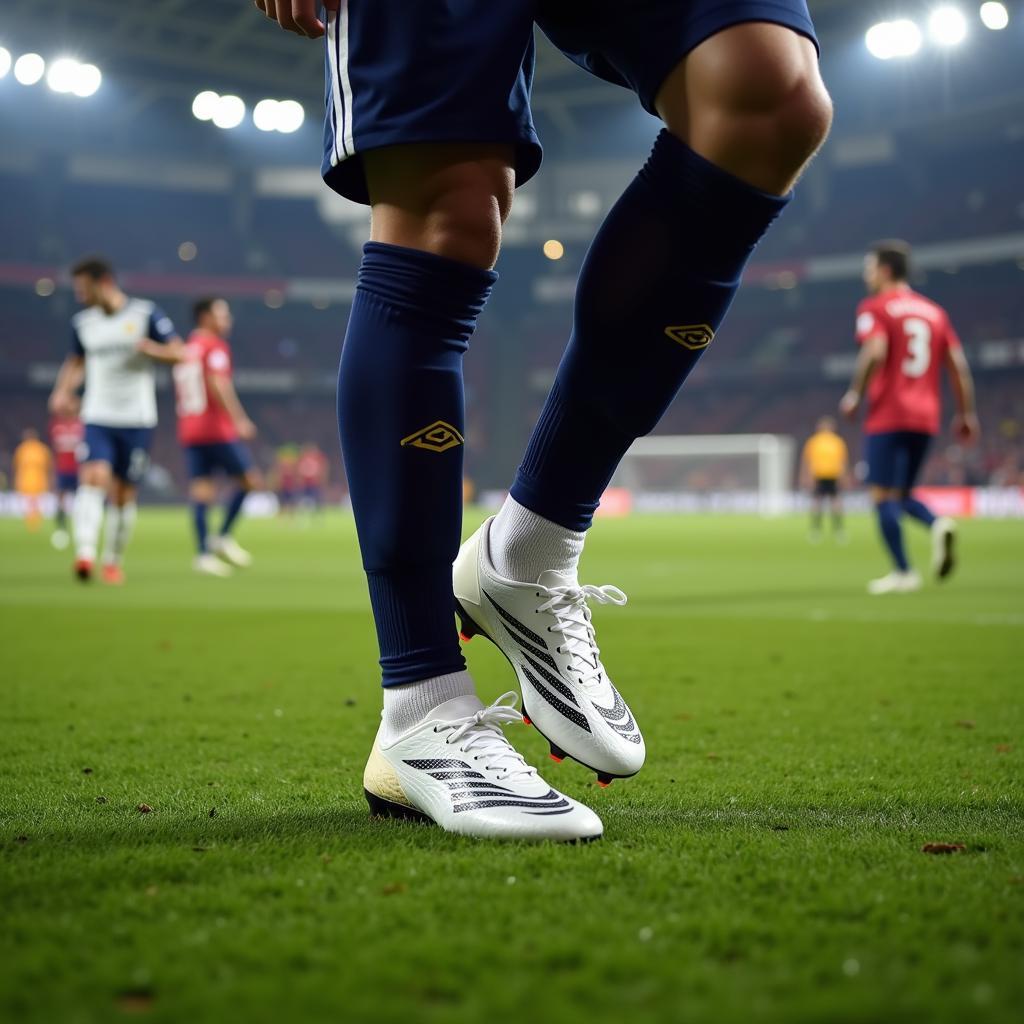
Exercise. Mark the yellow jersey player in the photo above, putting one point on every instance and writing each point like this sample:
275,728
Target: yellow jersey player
824,468
32,471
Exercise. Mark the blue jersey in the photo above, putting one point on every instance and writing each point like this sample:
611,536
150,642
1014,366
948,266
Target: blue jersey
461,70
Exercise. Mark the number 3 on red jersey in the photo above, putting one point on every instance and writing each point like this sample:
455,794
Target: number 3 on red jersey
918,333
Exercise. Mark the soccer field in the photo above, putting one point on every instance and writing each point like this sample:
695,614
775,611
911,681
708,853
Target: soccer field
804,742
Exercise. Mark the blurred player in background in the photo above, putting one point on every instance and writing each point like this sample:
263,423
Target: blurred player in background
32,466
905,339
824,471
116,342
312,470
286,479
437,156
211,428
66,436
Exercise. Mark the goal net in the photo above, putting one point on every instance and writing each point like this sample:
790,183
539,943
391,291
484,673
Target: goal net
699,472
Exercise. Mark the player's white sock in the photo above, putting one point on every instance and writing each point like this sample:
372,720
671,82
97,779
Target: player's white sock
87,518
410,703
524,544
120,525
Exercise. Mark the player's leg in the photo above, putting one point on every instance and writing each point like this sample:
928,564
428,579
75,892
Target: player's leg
428,121
94,481
838,526
942,528
237,463
887,457
131,460
744,111
437,216
816,501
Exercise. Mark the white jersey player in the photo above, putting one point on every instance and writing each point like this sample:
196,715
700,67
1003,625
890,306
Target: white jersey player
115,343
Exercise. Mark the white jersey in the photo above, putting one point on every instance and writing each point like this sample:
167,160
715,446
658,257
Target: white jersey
120,382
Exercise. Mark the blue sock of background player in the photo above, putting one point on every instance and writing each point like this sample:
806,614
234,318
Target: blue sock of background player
199,522
888,513
918,510
232,509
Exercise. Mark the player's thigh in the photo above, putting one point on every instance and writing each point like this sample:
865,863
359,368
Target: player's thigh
436,71
917,448
643,44
201,489
883,453
131,455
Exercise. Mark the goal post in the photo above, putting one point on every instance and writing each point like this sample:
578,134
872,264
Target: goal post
758,467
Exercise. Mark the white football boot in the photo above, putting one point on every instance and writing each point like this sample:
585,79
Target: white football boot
457,769
544,630
895,582
231,551
943,547
211,565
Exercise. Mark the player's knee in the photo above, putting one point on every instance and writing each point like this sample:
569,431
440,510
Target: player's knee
464,219
454,208
756,98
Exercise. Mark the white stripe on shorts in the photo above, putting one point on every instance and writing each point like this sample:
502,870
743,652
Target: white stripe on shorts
341,88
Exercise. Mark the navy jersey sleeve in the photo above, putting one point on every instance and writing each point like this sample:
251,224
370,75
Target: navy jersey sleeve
160,326
77,348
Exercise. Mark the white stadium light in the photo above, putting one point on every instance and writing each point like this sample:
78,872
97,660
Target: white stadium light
278,116
5,61
229,112
290,116
947,26
264,115
88,80
62,74
888,39
994,16
29,68
204,105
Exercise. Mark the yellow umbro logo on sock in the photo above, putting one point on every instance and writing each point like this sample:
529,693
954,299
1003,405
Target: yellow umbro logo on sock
692,336
438,437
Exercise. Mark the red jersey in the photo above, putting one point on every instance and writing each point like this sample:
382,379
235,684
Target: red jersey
66,434
905,393
312,468
201,417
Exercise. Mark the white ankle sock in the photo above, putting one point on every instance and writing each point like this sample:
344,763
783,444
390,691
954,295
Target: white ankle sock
87,518
407,705
524,544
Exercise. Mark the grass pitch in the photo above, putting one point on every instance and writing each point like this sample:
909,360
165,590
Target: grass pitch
805,741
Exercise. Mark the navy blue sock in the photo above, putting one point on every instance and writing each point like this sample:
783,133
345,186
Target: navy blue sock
655,286
888,513
199,521
918,510
401,416
231,510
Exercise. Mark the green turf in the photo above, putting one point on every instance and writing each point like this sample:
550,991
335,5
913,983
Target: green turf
804,741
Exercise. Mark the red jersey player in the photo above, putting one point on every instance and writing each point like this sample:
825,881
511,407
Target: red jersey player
312,470
211,427
905,339
66,436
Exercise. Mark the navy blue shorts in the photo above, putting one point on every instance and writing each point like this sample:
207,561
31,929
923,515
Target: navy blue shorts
461,70
125,449
229,457
895,458
67,482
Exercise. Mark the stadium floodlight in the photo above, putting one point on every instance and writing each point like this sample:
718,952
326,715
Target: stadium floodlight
5,61
265,115
290,116
29,68
994,16
889,39
229,112
62,74
87,80
947,26
204,105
